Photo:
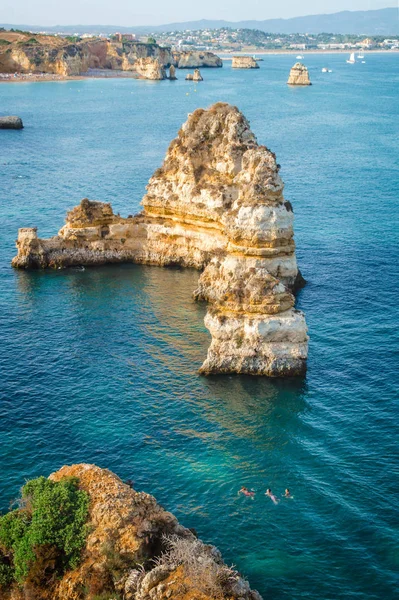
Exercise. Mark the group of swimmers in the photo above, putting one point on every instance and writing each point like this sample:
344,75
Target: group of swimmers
269,493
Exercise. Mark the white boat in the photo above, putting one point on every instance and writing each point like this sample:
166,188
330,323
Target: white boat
324,70
299,56
351,59
360,55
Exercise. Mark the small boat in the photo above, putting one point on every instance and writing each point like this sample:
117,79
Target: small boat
351,60
360,55
324,70
363,62
299,56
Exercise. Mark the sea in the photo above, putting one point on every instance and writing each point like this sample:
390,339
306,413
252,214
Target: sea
100,365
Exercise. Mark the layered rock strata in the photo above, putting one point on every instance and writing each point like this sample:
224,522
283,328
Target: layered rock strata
244,62
299,75
216,204
11,123
134,550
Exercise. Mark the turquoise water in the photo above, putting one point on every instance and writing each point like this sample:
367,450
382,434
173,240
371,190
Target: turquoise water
100,366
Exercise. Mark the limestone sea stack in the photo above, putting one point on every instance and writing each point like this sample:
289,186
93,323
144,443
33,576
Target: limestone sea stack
216,204
299,75
11,123
172,73
132,549
244,62
197,75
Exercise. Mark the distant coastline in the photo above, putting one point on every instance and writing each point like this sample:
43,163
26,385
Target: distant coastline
301,52
117,74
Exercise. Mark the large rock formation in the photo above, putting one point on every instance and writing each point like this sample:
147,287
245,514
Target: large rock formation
11,123
244,62
134,550
56,55
197,60
215,204
150,68
299,75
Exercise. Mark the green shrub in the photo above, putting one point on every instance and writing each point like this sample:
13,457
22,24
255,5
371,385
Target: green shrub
4,43
50,525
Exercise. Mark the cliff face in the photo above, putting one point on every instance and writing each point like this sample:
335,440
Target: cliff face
244,62
299,75
197,60
134,550
55,55
150,68
71,59
215,204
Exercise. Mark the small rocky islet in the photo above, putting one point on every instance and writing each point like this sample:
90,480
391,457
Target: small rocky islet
217,205
11,122
299,75
124,545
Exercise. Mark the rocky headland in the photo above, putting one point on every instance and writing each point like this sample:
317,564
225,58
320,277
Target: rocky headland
216,204
11,123
244,62
131,548
55,55
197,60
299,75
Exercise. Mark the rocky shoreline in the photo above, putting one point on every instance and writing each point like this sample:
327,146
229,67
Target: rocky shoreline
216,204
133,549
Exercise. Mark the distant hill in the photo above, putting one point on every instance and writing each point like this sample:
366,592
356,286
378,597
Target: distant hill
384,21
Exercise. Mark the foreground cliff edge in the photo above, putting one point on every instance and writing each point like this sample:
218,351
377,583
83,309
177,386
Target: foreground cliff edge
216,204
84,535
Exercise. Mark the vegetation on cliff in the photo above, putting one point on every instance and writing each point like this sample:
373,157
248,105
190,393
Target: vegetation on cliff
83,534
44,537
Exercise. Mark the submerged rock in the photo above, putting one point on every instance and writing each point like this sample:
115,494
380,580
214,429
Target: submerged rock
299,75
11,123
215,204
134,550
244,62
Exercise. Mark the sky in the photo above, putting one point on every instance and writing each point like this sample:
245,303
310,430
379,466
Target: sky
158,12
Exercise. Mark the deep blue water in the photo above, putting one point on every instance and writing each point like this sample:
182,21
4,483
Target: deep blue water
100,366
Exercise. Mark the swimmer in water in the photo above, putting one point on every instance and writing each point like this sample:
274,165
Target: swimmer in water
271,496
246,492
287,493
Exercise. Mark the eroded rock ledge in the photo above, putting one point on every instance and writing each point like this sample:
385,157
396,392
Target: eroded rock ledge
216,204
135,550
